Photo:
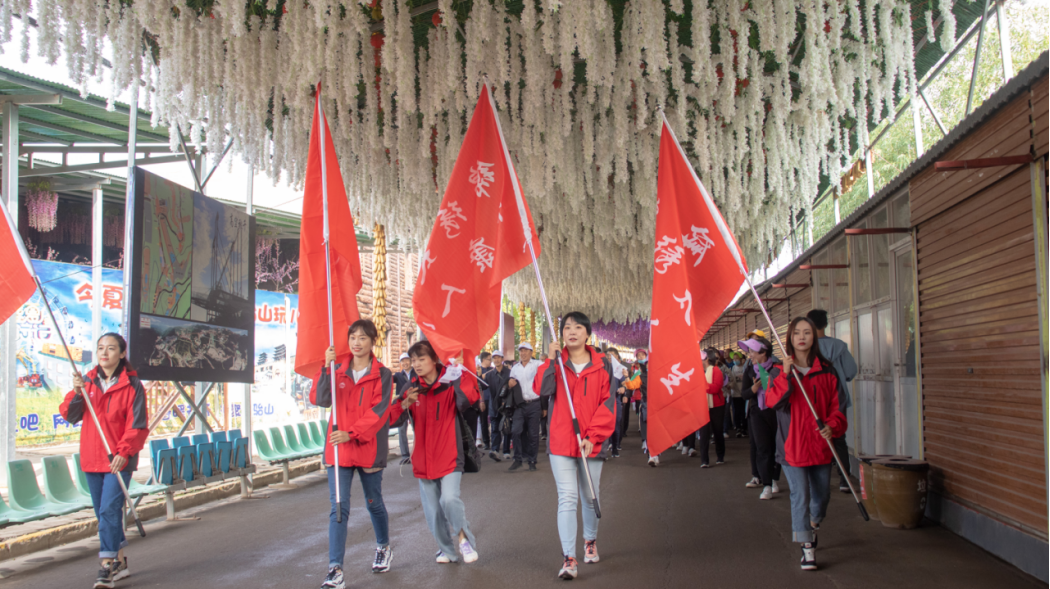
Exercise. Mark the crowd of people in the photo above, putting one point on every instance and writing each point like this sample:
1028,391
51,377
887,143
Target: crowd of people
578,399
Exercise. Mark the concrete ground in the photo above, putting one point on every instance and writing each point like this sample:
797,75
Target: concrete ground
668,527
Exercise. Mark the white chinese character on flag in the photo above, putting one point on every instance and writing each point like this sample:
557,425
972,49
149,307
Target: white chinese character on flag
447,219
676,377
481,176
668,253
698,243
481,254
686,302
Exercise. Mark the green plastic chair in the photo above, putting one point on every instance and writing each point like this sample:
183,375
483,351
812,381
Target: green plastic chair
14,516
24,493
262,447
282,448
294,443
305,438
137,489
318,434
81,478
58,484
324,427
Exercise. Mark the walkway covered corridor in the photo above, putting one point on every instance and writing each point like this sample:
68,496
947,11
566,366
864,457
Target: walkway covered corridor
669,527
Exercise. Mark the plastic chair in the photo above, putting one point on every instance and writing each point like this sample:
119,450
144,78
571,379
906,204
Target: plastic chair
218,437
187,461
81,476
24,493
241,458
293,441
165,469
306,439
233,434
277,440
262,446
199,439
223,451
14,516
155,446
324,426
317,433
206,456
58,484
137,489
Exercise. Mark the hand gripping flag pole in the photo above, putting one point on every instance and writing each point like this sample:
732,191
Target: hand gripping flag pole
328,281
546,308
76,371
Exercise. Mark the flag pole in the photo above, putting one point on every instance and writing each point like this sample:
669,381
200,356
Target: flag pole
328,284
58,329
802,389
527,229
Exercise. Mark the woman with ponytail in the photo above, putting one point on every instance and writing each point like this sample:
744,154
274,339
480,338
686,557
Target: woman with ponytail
119,400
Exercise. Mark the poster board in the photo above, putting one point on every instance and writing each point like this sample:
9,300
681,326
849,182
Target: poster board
192,304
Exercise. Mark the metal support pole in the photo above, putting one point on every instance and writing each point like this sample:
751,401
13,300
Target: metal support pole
130,255
838,212
9,330
871,175
200,393
190,159
246,392
917,123
976,58
1004,42
933,113
96,264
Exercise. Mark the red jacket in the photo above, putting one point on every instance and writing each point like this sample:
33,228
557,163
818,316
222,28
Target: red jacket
437,450
593,398
363,411
121,412
714,388
798,441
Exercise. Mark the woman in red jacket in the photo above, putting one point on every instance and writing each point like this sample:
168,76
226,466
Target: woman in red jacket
590,378
716,406
119,401
434,396
802,446
360,429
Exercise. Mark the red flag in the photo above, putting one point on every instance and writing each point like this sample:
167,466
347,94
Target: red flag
698,269
325,190
478,239
16,271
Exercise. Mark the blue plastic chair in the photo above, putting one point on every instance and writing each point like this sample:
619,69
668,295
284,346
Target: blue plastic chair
240,457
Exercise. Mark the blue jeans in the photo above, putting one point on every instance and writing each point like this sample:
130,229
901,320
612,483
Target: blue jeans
569,477
108,500
443,508
810,493
373,486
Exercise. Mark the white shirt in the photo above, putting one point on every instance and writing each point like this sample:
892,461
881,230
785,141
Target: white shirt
579,367
359,373
525,374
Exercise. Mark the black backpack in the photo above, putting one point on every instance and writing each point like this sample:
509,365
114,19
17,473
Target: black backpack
471,455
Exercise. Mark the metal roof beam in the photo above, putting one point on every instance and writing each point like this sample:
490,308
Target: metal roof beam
31,99
123,128
165,148
15,78
70,131
100,166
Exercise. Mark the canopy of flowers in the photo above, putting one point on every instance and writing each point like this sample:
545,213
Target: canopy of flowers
633,335
766,95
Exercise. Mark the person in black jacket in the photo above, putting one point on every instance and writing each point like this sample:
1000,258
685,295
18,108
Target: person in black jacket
762,420
496,377
401,380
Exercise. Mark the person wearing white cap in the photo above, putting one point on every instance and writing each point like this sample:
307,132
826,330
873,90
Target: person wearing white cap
525,429
496,377
401,380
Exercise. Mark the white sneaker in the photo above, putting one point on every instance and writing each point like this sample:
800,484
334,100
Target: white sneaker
442,558
692,453
767,494
654,461
754,483
644,448
685,450
679,446
506,457
809,557
469,554
776,489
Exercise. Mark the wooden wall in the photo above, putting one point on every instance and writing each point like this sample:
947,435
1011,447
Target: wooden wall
979,324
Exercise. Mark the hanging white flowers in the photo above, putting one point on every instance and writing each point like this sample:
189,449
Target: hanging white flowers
579,90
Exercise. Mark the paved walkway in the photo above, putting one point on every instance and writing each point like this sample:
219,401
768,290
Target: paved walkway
670,527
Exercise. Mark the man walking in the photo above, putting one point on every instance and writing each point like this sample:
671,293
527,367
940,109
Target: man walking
401,380
496,377
837,351
525,430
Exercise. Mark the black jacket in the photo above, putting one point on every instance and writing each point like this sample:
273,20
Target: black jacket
401,380
496,379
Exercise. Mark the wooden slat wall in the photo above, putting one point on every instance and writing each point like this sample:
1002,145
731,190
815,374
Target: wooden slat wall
1007,133
978,327
1041,116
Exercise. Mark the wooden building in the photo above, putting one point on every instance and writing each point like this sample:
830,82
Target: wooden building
938,284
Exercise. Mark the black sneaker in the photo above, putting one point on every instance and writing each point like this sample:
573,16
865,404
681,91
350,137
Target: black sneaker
532,466
495,456
515,466
843,487
406,460
809,557
104,579
334,580
384,557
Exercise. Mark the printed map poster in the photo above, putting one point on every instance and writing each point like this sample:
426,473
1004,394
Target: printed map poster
42,370
193,319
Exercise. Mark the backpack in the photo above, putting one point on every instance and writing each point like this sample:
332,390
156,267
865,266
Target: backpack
471,455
